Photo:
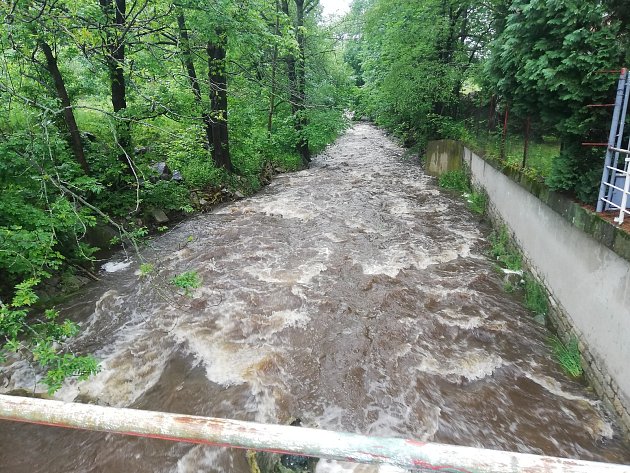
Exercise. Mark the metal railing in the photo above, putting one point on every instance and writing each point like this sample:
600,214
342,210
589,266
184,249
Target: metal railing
407,454
615,186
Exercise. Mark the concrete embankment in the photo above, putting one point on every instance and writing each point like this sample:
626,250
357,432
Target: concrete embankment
583,261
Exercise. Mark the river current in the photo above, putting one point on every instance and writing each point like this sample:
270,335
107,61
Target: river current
354,295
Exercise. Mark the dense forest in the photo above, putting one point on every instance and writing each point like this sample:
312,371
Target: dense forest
435,68
126,113
123,113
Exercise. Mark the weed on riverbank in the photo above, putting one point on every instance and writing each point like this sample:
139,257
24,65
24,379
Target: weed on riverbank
510,261
459,181
568,355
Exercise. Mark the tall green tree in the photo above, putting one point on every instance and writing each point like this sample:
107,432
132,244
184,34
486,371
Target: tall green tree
545,63
95,93
414,58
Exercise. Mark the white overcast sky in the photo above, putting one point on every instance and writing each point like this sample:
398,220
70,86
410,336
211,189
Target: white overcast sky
335,6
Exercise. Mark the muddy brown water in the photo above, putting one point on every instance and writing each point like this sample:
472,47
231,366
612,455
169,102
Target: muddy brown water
354,295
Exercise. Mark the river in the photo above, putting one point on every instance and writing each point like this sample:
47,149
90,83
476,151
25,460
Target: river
354,295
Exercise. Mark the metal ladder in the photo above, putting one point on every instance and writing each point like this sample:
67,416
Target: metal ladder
614,191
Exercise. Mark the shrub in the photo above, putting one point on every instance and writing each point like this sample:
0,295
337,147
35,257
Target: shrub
504,250
456,180
567,355
187,281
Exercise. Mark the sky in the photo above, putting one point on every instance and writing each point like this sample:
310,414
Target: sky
335,6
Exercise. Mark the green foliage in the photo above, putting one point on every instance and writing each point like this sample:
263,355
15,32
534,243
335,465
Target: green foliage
459,180
536,296
568,355
146,269
187,282
448,128
456,180
542,156
478,202
42,340
504,251
166,195
57,182
412,59
544,63
509,257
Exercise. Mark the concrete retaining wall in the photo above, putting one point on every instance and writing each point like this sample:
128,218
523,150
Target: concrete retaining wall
585,264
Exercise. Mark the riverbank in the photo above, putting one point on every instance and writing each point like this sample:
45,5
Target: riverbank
354,295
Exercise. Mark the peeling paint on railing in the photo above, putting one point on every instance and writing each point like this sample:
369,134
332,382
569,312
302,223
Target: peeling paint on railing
409,454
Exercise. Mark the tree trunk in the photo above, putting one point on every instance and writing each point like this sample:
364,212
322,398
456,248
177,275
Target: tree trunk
115,60
218,121
184,45
297,81
74,137
274,67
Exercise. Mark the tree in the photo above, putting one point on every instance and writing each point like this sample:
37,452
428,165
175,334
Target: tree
414,58
217,78
545,63
30,31
112,87
296,66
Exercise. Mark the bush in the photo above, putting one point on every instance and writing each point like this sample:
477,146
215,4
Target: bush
567,355
41,339
456,180
504,251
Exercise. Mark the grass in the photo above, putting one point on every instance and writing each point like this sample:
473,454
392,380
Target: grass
455,180
540,155
478,202
568,355
536,297
146,269
459,180
504,251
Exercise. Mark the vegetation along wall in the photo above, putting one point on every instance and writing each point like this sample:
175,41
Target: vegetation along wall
583,261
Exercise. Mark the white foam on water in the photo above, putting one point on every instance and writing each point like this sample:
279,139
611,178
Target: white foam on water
334,238
473,365
465,323
301,274
396,258
106,306
262,402
116,266
388,269
130,367
227,362
288,208
331,466
202,459
555,388
459,319
290,319
400,208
